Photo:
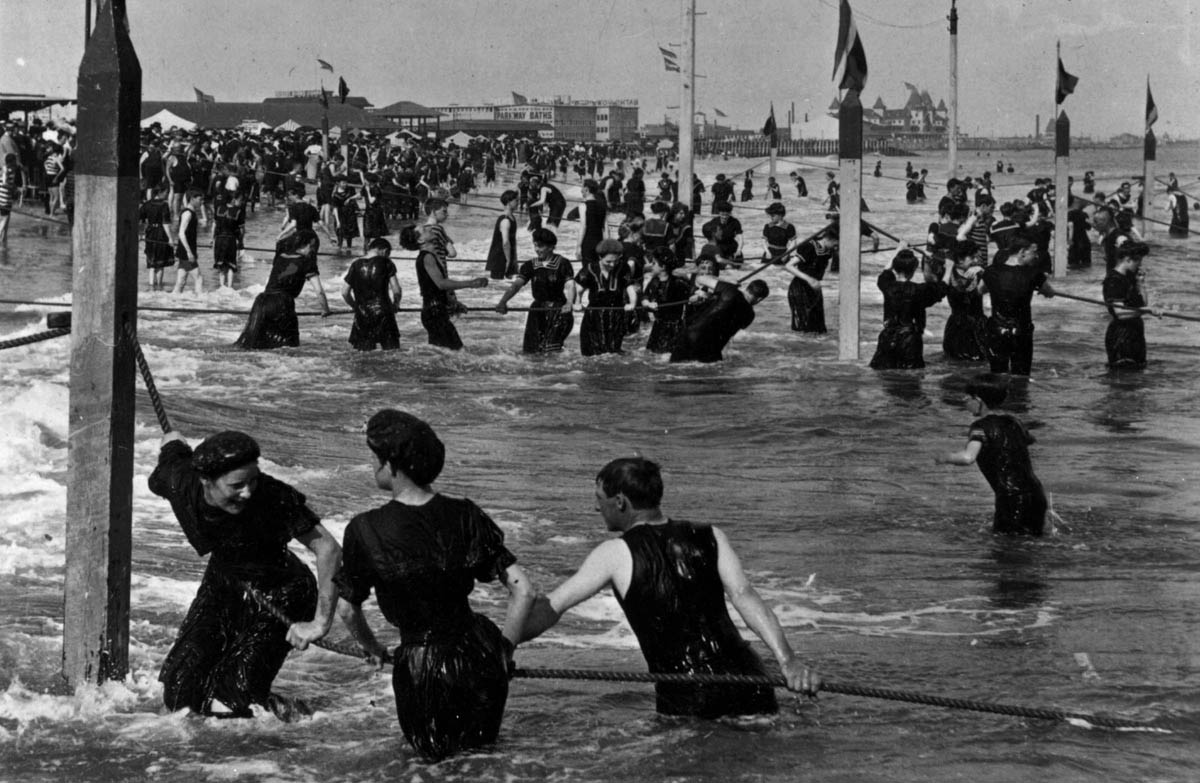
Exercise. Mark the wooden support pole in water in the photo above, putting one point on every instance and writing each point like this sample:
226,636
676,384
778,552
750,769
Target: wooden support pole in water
102,373
1149,157
1062,199
850,212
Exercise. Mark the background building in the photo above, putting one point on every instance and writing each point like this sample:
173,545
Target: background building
571,120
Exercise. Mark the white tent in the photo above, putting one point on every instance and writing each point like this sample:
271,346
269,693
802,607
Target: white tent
290,125
168,120
254,126
400,137
461,138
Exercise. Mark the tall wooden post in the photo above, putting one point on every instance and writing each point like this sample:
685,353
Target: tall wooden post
103,373
1149,156
953,130
1062,198
850,212
687,101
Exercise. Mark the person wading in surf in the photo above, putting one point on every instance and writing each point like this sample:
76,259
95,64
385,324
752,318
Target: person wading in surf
230,647
672,578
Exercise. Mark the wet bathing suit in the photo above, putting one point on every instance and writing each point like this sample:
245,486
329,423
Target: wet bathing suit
450,676
1004,461
229,649
272,322
547,327
675,565
374,313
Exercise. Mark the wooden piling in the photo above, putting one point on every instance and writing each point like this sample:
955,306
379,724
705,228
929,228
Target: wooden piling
102,372
1062,198
850,212
1149,157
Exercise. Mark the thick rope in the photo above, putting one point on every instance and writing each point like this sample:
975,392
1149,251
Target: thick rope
34,338
1015,710
151,389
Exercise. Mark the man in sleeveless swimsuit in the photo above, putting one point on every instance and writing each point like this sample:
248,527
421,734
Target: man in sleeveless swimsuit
672,578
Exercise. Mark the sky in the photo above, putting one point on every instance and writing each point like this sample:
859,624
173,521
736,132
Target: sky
437,52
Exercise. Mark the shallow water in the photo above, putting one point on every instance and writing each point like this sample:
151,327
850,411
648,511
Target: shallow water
879,564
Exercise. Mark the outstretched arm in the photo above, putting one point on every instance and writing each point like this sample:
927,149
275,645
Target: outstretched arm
605,563
761,619
964,457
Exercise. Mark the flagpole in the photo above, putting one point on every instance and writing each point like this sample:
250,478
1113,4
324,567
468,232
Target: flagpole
953,137
1149,156
687,102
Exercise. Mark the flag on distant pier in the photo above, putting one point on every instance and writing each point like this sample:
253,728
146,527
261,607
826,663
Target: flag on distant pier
850,57
203,97
670,59
719,113
324,65
519,99
343,90
1151,108
769,127
1066,83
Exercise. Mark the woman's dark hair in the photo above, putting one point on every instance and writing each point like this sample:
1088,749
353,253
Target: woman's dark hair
229,450
666,258
410,237
776,208
407,444
639,479
591,186
508,196
965,248
988,388
544,236
905,263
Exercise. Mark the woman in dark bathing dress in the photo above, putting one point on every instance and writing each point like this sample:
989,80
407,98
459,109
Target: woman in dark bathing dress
807,267
612,296
904,303
999,444
422,553
966,327
666,296
550,319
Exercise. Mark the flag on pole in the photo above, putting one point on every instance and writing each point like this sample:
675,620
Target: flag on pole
343,90
769,127
670,59
1066,83
850,58
324,65
1151,108
519,99
719,113
324,98
911,87
203,97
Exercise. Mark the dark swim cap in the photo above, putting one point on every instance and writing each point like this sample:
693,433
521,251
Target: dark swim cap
223,452
407,445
